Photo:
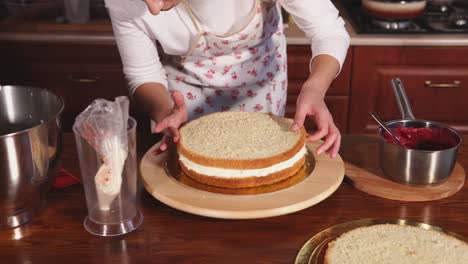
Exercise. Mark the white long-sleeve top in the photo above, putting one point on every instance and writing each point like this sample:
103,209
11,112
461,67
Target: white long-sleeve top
136,30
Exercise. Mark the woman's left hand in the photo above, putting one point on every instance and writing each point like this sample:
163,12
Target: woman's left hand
311,103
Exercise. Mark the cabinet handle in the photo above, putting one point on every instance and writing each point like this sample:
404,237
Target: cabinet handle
455,84
91,79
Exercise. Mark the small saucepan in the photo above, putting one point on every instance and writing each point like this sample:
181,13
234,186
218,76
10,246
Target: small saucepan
394,9
429,150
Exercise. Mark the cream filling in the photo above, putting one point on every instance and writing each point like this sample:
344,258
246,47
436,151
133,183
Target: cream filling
237,173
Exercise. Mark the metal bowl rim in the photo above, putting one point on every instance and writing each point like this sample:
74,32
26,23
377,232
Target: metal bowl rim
54,117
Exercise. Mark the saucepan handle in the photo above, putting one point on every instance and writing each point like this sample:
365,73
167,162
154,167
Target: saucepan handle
402,99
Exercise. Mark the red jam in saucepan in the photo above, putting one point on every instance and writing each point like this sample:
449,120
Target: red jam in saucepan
422,138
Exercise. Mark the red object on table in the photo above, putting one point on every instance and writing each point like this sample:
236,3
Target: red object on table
64,179
424,138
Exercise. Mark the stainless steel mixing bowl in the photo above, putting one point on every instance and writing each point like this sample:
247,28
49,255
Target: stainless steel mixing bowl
30,148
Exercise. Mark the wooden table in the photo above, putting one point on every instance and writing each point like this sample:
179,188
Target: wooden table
170,236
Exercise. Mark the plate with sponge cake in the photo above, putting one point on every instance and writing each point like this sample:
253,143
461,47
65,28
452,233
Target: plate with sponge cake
241,165
381,241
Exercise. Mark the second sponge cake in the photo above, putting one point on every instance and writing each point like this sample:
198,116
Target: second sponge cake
389,243
241,149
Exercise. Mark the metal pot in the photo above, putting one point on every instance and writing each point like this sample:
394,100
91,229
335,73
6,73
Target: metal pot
30,149
417,166
394,9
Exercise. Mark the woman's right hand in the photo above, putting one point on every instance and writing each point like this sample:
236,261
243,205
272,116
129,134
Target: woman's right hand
170,124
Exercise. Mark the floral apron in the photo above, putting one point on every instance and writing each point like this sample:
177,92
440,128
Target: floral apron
243,71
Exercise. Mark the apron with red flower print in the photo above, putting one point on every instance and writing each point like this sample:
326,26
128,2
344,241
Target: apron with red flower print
243,71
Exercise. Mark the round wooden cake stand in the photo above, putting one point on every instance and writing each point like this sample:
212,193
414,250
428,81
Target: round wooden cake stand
362,166
325,178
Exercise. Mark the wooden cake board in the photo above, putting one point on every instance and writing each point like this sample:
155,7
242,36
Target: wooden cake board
362,170
324,179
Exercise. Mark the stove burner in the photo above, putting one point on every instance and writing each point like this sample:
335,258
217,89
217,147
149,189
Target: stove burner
459,21
392,25
443,8
447,17
438,9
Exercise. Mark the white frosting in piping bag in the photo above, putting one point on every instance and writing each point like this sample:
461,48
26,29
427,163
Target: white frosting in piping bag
109,176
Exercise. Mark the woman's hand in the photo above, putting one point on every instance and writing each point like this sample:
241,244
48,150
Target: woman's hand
170,124
311,103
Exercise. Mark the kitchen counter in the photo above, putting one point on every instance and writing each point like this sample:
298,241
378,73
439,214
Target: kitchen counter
296,37
100,31
171,236
97,31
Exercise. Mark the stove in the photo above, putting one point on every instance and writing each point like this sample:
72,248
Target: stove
450,17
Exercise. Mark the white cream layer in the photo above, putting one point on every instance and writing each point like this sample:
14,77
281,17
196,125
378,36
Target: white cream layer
236,173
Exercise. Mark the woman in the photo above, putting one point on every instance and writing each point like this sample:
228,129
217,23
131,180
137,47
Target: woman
226,55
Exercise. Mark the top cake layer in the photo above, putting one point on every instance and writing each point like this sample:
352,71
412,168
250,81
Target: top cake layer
244,140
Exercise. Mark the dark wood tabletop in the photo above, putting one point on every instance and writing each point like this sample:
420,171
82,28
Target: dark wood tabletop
171,236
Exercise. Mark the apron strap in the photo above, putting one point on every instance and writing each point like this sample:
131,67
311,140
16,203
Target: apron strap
192,16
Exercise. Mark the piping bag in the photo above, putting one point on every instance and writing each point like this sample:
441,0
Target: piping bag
103,124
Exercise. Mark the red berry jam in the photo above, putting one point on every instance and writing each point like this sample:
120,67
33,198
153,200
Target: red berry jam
422,138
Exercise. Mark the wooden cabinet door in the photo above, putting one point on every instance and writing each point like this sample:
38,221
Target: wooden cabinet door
435,80
79,73
337,95
78,84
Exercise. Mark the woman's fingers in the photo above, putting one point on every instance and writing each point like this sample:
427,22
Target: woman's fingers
162,125
178,115
323,128
178,100
327,129
154,6
336,146
171,134
322,132
329,141
162,147
160,150
174,132
324,124
299,119
171,123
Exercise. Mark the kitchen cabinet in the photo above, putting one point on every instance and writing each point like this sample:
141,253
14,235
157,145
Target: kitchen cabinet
435,78
79,73
337,96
